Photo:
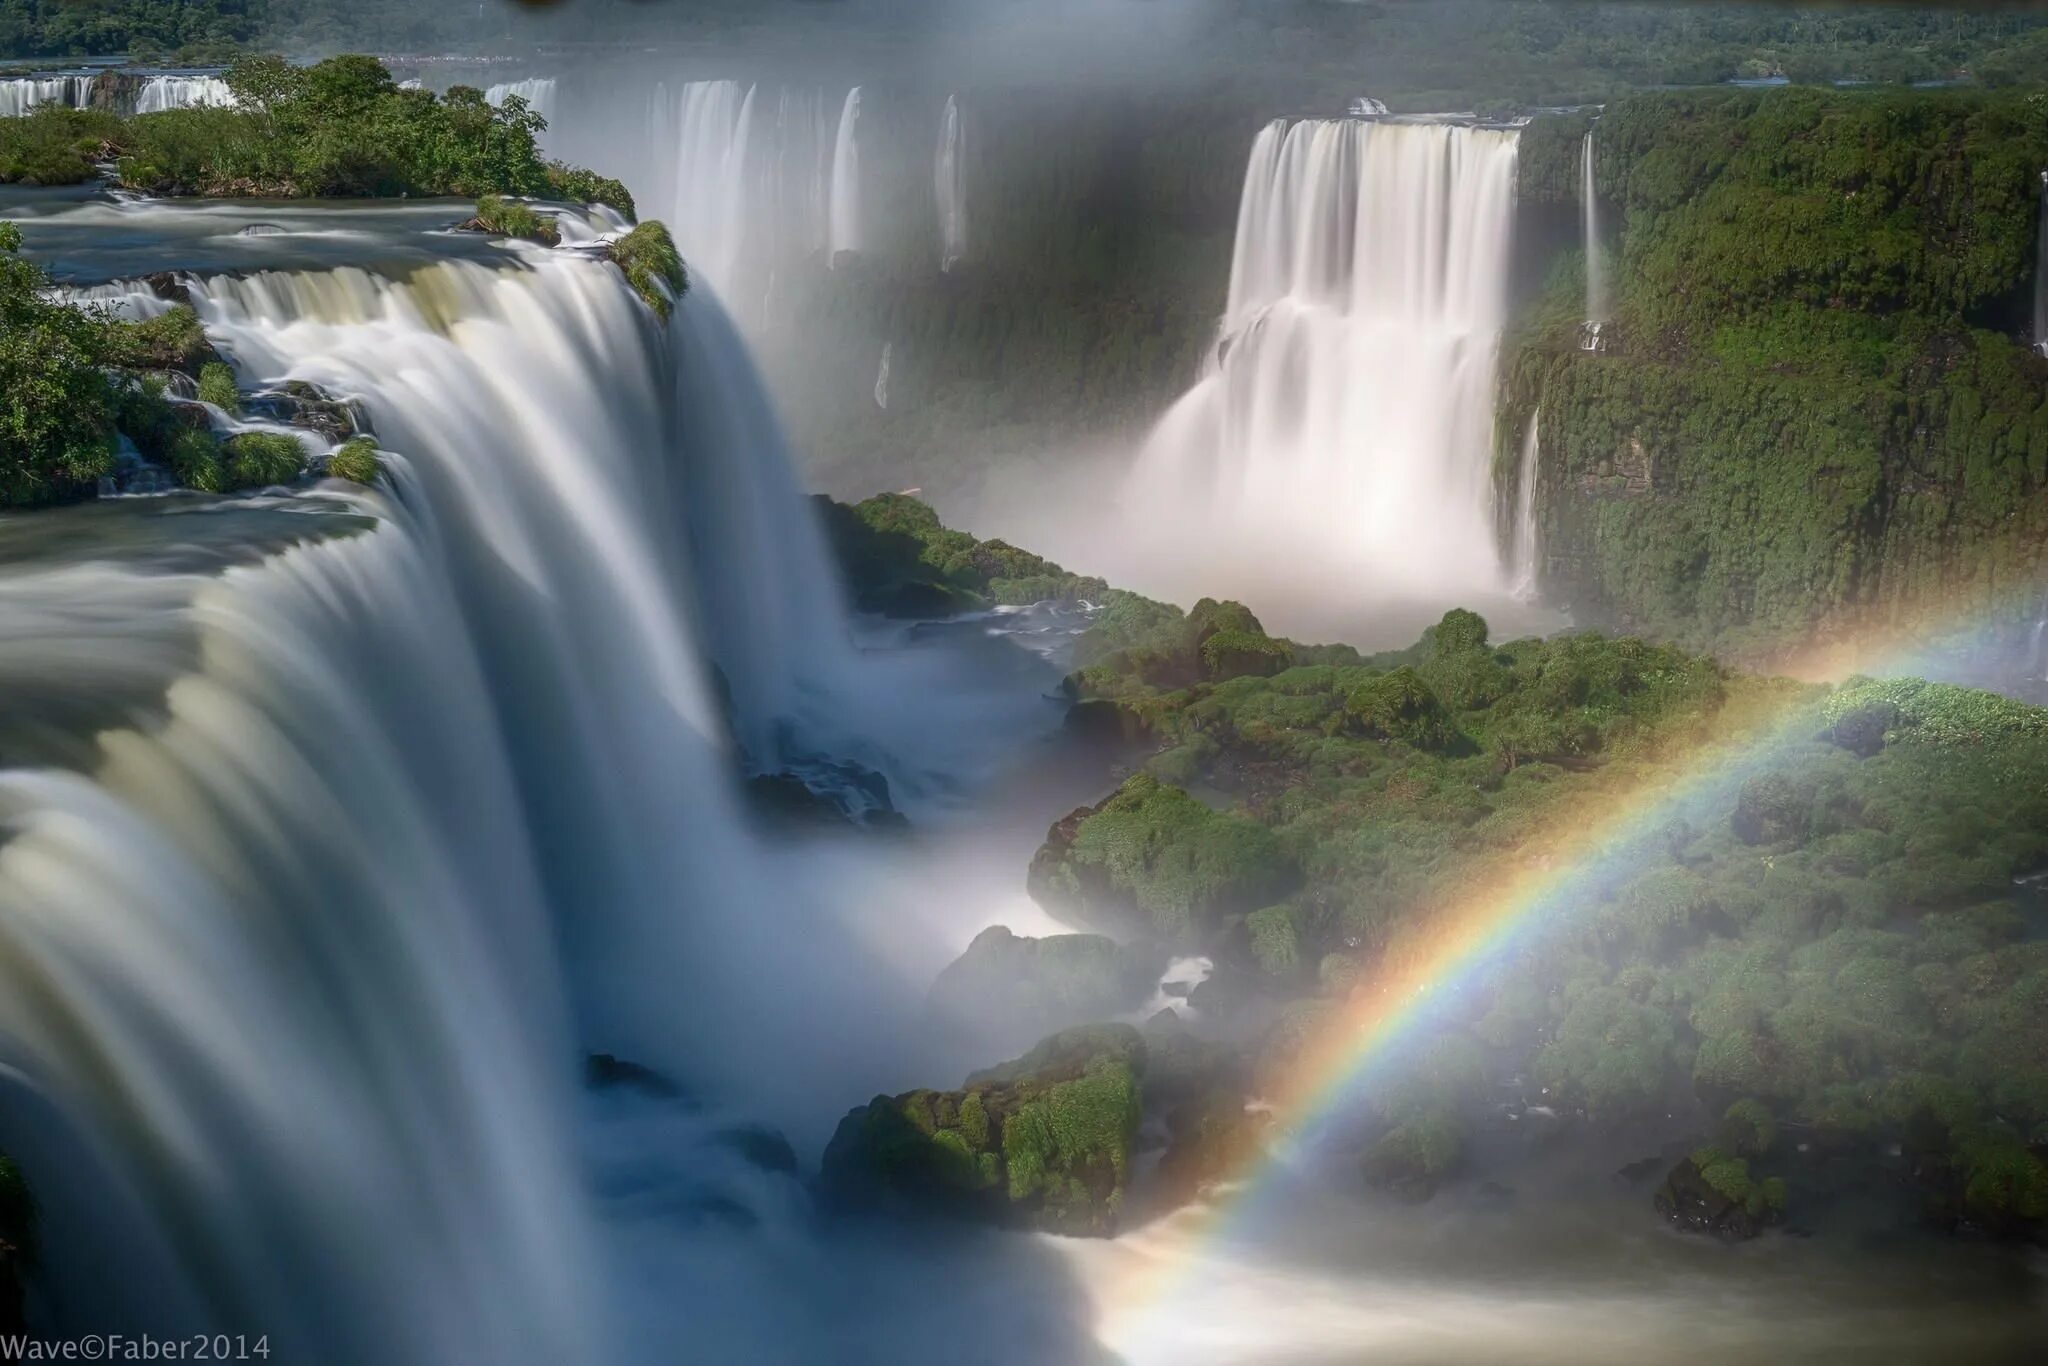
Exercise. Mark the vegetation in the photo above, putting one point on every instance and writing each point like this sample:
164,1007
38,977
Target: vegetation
357,461
57,425
511,218
1808,918
1734,471
1045,1142
900,561
341,128
648,258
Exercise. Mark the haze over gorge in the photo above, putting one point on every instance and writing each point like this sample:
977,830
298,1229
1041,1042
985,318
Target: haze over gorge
1184,681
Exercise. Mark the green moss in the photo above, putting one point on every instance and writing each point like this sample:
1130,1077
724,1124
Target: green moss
1747,1129
1398,705
1152,857
1044,1141
357,461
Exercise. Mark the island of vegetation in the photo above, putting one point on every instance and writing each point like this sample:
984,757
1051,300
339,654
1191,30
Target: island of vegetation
1809,965
76,380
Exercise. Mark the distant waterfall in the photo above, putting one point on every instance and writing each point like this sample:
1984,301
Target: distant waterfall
1596,262
2041,273
846,199
538,92
742,175
296,968
1524,552
709,188
882,377
949,177
182,92
1346,419
19,95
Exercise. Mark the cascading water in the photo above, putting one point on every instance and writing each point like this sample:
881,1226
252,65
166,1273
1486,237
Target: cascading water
538,92
20,95
950,185
882,377
183,92
1524,552
295,970
846,201
742,176
1345,424
1596,261
709,196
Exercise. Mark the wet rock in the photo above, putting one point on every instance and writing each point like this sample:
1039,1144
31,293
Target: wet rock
1011,985
761,1147
824,792
1712,1192
1044,1142
1863,731
305,405
603,1072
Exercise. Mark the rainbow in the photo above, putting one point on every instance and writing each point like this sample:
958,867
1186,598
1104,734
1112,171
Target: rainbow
1500,907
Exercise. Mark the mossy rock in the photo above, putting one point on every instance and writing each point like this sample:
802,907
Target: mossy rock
1044,1142
1151,860
1711,1191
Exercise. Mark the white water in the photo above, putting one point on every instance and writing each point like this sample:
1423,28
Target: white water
1343,433
882,377
949,176
183,92
21,94
846,190
1596,260
1525,552
295,966
538,92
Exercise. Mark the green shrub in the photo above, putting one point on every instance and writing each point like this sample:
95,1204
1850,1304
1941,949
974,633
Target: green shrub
1398,705
652,265
510,218
217,386
575,185
357,461
259,459
195,460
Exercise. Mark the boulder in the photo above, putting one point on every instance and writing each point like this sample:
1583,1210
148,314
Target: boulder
1710,1191
1006,984
1043,1142
1153,862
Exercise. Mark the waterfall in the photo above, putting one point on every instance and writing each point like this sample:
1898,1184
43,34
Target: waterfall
846,204
708,192
1596,263
882,377
20,95
538,92
182,92
949,177
296,969
1524,562
2041,273
1346,416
